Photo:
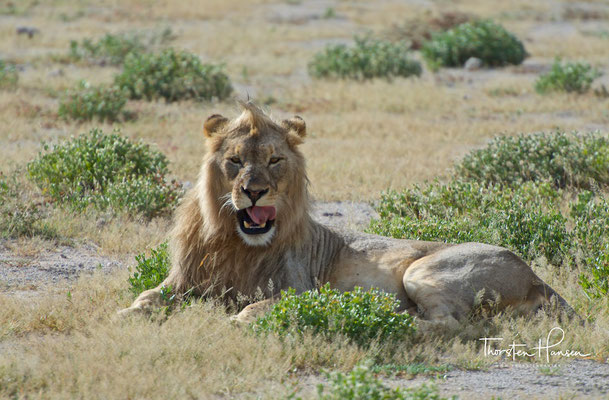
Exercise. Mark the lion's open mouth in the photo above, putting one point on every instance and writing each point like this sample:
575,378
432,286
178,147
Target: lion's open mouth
256,220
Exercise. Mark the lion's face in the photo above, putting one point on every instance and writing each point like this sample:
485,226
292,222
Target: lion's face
259,165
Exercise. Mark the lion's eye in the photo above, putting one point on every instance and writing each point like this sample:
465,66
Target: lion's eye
274,160
235,160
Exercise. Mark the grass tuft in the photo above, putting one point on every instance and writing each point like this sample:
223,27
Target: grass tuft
19,215
8,76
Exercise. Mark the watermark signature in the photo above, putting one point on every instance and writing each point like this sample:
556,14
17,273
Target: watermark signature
546,349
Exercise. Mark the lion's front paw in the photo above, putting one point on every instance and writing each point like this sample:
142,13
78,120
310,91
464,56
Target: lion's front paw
133,310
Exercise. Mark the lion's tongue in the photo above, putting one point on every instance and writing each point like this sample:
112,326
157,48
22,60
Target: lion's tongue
261,214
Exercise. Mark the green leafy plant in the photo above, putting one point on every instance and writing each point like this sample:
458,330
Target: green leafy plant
564,159
113,48
151,271
8,76
482,39
172,75
108,172
361,384
86,102
567,77
368,58
362,316
590,215
525,219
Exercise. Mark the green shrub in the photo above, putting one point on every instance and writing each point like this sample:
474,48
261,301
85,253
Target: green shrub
361,384
590,215
172,75
8,76
513,194
19,216
561,158
113,48
86,102
567,77
485,40
525,219
369,58
362,316
151,271
107,172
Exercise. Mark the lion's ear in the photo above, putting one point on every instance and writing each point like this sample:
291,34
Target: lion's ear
213,124
295,124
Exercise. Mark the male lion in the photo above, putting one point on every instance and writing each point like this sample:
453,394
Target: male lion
246,223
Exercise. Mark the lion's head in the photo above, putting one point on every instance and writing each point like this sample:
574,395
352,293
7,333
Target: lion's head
254,176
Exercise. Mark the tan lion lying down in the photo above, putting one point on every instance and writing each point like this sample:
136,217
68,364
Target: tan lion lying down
247,222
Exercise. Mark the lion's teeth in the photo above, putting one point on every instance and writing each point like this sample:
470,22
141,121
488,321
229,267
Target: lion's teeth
262,225
247,224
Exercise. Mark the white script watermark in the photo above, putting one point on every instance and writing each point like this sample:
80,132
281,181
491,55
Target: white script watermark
547,349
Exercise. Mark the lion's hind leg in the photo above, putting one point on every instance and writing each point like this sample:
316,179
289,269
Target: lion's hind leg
449,284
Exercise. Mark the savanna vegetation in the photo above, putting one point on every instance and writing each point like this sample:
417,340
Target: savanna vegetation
102,111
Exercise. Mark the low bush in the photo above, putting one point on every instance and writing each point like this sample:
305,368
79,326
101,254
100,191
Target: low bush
525,219
361,384
172,75
567,77
86,102
8,76
108,172
565,159
151,271
368,58
361,316
513,194
483,39
113,48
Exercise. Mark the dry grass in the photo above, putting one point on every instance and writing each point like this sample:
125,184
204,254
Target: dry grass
60,345
363,138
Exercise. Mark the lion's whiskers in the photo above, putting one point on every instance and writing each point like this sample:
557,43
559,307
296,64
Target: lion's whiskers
227,202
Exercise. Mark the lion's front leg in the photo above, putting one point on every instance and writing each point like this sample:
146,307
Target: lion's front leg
146,302
250,313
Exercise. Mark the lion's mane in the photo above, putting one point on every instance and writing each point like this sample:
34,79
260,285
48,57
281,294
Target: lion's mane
208,257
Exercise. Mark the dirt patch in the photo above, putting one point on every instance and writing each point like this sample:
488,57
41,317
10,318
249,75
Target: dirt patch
24,275
575,379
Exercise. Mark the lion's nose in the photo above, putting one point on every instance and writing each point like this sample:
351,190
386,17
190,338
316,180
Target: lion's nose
254,195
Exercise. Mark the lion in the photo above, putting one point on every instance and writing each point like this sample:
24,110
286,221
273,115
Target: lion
246,223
